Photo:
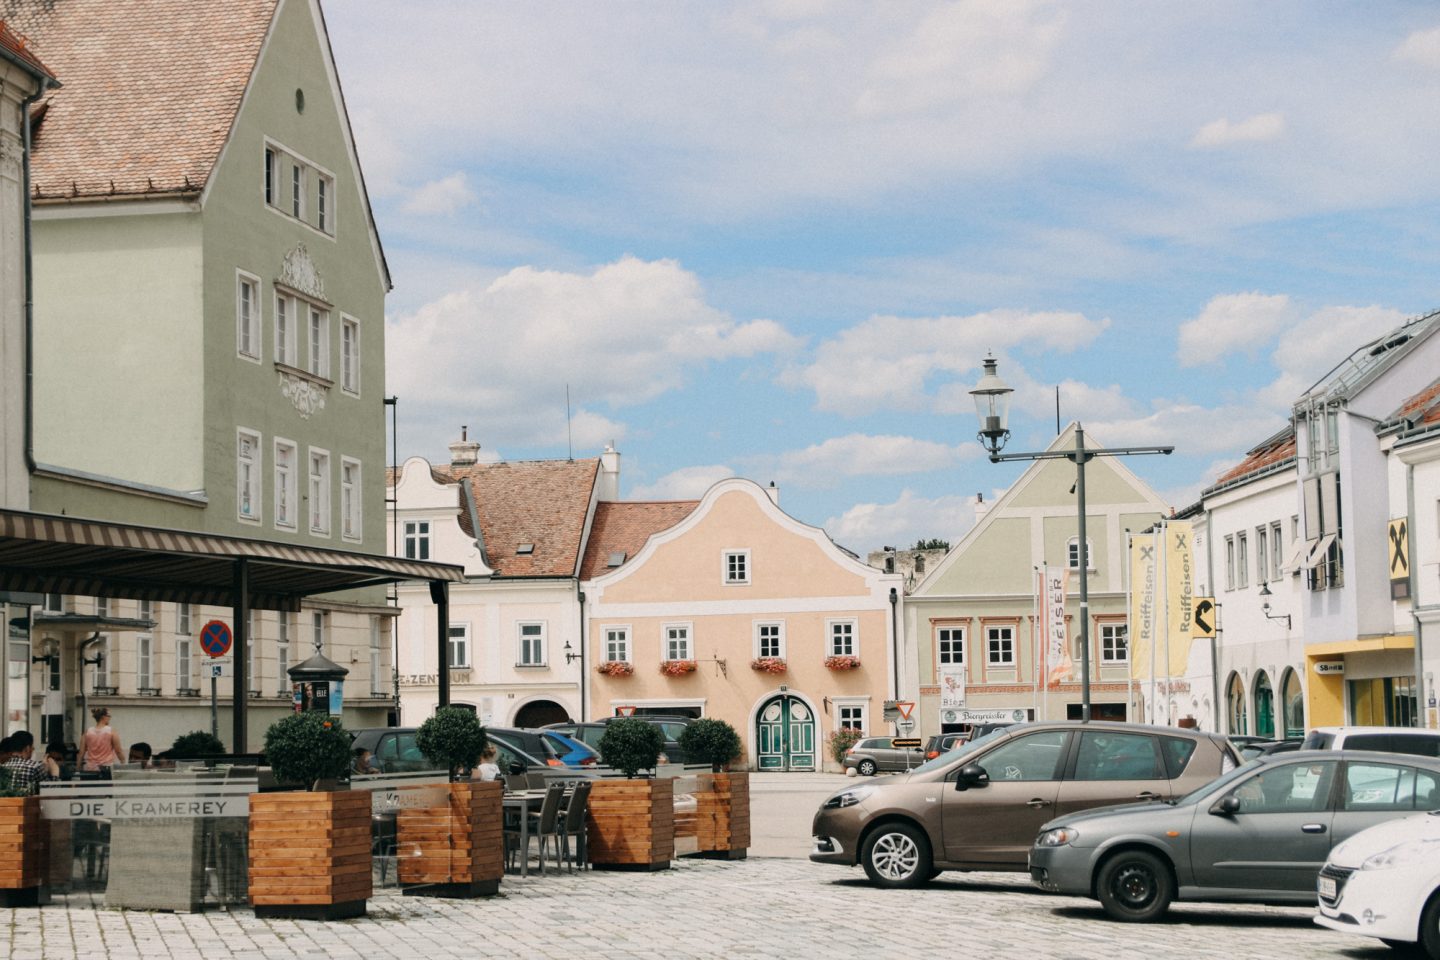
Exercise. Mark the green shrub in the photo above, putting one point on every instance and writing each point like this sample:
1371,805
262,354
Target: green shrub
196,744
842,740
631,745
710,741
453,738
305,748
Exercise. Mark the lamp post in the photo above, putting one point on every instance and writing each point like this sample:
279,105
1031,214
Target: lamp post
992,406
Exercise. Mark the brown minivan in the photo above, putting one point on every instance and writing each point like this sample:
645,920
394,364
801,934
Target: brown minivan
979,807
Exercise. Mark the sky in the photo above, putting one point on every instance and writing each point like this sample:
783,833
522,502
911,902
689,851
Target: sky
775,239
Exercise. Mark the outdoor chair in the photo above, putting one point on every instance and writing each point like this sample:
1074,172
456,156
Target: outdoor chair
573,825
542,824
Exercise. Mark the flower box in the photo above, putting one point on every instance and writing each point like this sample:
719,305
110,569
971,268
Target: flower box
842,662
310,854
455,848
616,668
22,852
677,668
631,824
768,664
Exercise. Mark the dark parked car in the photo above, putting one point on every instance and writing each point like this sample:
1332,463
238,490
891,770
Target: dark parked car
943,742
587,733
670,726
393,750
1263,748
1260,833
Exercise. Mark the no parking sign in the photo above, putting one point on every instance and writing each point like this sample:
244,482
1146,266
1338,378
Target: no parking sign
215,638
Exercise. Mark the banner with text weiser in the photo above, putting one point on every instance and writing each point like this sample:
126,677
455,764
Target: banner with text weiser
1142,604
1057,642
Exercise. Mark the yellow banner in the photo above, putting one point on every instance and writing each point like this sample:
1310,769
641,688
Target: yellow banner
1143,595
1179,593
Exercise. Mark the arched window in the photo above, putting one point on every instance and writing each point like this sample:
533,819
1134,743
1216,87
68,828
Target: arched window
1264,705
1235,705
1292,704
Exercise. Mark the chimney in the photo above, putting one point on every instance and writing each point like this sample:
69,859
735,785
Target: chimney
774,493
981,507
464,452
609,483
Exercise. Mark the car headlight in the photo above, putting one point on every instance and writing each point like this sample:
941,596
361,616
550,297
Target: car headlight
1401,855
1058,837
848,798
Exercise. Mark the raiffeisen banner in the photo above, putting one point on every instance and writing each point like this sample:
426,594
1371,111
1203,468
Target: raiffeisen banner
1179,594
1143,596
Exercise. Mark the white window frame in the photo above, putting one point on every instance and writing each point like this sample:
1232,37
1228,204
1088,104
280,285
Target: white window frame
858,710
324,203
726,568
184,619
184,663
777,630
291,197
247,322
319,630
833,629
457,645
682,643
416,544
1072,554
992,658
1230,562
1114,636
53,603
531,649
317,485
287,492
282,652
286,308
101,677
298,184
351,500
350,355
1277,551
102,605
940,651
317,340
617,643
270,175
1242,560
1262,553
144,661
248,487
376,655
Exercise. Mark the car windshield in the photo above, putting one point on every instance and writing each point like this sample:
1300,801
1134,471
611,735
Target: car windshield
1219,782
945,759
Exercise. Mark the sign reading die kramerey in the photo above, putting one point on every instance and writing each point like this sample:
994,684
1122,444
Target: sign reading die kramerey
165,796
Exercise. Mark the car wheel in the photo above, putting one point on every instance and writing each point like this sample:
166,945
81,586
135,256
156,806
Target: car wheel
1135,886
897,855
1430,927
866,768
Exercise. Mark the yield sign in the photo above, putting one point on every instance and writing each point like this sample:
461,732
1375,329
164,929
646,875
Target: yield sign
905,706
625,711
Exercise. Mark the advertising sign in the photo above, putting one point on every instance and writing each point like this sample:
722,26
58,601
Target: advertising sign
1057,641
952,686
1142,605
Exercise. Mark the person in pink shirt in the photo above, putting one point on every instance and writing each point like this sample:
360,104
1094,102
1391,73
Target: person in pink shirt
101,746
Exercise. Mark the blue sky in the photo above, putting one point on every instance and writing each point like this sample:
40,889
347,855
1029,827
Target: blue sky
776,239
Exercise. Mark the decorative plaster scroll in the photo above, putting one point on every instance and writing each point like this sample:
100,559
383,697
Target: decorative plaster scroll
11,153
298,271
307,396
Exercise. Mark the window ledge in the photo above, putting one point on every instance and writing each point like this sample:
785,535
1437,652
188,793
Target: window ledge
531,666
106,691
302,374
187,692
148,691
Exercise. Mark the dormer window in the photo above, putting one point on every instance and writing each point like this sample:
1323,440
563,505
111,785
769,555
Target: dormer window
615,560
737,567
525,550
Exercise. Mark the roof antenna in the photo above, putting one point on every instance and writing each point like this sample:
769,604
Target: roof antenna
569,439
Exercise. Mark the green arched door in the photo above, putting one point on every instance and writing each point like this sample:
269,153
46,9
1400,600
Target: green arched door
785,734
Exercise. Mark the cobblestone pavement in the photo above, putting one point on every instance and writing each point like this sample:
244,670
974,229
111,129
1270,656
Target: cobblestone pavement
758,908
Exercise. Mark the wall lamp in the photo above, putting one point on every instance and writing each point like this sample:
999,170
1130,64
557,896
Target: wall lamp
1265,607
570,655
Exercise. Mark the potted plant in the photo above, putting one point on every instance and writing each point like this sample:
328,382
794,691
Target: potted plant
196,745
768,664
842,662
677,668
631,822
22,848
722,806
616,668
454,847
309,845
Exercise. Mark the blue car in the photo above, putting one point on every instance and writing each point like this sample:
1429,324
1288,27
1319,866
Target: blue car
570,751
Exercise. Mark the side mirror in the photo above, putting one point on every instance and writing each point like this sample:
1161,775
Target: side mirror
971,775
1226,806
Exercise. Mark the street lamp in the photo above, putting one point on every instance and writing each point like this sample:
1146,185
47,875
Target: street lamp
992,406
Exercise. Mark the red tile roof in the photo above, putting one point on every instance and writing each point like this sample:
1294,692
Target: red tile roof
543,503
18,48
151,90
624,526
1273,451
1423,407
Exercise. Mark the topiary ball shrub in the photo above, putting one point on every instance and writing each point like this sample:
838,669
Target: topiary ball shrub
453,738
195,745
710,741
305,748
631,745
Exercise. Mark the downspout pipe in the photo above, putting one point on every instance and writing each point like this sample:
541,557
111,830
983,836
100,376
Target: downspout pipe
1420,692
894,645
584,677
46,83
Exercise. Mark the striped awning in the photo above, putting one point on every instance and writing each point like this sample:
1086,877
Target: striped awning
41,553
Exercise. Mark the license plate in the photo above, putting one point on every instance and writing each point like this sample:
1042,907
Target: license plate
1327,888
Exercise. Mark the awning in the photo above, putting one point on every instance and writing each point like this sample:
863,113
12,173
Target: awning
1319,551
42,553
1297,553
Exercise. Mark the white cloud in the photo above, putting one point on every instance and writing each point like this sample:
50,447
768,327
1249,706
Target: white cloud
1245,321
889,362
1261,128
1422,47
1191,428
1320,341
869,526
861,455
687,483
500,358
441,197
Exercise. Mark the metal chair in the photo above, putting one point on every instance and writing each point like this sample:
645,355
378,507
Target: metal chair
542,824
573,825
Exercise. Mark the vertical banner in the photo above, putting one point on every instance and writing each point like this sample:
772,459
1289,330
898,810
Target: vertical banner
952,686
1057,655
1179,596
1142,606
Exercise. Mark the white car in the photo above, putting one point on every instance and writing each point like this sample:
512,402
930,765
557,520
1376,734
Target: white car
1385,882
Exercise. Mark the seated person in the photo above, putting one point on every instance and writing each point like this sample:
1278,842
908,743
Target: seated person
56,766
140,753
364,763
487,768
25,772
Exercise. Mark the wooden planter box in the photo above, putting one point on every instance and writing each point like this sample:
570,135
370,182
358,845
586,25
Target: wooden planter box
722,816
456,849
22,852
310,854
631,824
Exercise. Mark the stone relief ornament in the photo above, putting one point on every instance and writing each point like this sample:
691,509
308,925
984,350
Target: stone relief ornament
298,272
307,396
11,152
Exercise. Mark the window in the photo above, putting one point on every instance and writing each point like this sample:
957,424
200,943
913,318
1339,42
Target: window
1288,788
737,566
1118,756
289,190
1262,554
101,649
284,329
843,642
377,685
319,492
350,498
247,474
1035,756
458,646
617,644
532,645
1072,552
417,539
1000,646
144,647
1383,786
252,655
350,355
102,605
324,193
147,610
1114,643
1242,561
319,342
55,603
282,653
1277,551
1230,563
852,716
769,640
677,642
184,680
272,174
247,316
183,619
950,645
285,481
297,192
317,630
